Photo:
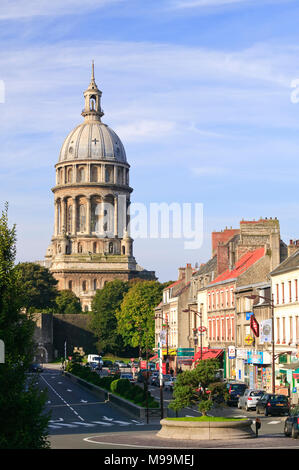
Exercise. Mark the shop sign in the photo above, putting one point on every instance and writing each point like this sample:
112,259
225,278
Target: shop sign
255,357
185,352
171,352
242,353
231,352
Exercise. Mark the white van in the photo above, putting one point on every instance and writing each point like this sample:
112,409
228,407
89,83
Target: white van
94,358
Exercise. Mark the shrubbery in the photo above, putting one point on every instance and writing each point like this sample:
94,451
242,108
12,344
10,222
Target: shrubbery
122,387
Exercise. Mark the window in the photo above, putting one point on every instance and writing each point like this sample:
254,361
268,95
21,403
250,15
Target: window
124,250
290,291
278,329
94,174
296,290
222,329
69,219
218,329
81,175
277,293
70,175
291,329
80,249
110,247
210,329
214,329
233,328
282,291
82,218
70,285
84,284
94,247
283,330
94,284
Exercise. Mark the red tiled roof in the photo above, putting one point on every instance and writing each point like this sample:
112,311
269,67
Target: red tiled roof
174,284
208,354
242,265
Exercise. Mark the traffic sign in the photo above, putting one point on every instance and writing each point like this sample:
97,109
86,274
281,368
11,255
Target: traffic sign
249,339
254,325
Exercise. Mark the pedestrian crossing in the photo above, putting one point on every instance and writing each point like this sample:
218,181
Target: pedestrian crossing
103,421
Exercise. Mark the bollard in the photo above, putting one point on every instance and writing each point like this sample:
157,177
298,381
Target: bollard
257,426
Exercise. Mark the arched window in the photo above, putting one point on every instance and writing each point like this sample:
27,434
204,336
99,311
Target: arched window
80,250
94,174
92,103
70,175
94,284
107,175
82,218
70,285
86,308
81,175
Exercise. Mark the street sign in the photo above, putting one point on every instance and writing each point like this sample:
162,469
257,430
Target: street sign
254,325
249,339
248,315
231,352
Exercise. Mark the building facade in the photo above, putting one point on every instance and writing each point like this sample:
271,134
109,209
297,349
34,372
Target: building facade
91,243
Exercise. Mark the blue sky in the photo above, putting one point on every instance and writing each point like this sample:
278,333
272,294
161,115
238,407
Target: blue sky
199,91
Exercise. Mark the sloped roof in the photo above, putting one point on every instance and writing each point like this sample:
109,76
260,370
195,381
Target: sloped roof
209,266
241,266
288,264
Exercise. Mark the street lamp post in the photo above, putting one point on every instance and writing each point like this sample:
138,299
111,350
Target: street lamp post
160,365
201,328
271,302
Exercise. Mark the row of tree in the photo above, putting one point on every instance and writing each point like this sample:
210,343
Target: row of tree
123,315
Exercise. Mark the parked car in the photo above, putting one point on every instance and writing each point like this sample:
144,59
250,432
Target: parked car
107,363
291,424
114,369
94,358
166,378
249,399
141,376
168,384
273,404
154,374
93,365
35,368
235,390
127,376
120,364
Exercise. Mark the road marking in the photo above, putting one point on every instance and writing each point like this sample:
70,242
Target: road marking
88,425
68,390
62,399
107,419
274,422
122,423
83,401
103,423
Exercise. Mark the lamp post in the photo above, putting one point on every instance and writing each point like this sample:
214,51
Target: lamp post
271,302
201,328
160,365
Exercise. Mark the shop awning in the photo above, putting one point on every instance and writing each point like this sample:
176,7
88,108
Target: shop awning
292,365
153,358
208,354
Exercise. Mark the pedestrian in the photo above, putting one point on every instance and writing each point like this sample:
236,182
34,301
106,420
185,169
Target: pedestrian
171,371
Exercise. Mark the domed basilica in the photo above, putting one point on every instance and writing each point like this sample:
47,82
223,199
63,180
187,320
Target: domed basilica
91,243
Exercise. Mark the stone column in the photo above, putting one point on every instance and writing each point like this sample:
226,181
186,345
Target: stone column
115,216
115,174
55,217
103,173
88,173
88,215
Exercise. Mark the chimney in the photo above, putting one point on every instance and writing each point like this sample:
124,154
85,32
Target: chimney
181,273
292,247
188,271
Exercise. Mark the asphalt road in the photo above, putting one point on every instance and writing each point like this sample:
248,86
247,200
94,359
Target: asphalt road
79,420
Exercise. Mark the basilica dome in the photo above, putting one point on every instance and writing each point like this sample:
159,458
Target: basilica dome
93,140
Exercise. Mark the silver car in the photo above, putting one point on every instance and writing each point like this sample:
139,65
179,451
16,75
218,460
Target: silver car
250,398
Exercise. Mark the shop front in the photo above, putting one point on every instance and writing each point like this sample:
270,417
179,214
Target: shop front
259,370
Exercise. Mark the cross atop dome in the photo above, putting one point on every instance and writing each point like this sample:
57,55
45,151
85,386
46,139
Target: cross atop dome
92,110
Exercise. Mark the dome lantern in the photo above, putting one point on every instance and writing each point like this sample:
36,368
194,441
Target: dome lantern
92,95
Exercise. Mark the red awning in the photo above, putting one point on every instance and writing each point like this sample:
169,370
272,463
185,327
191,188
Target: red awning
207,354
153,358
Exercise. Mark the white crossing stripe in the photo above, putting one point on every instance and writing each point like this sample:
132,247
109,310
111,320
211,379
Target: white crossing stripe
103,423
274,422
79,423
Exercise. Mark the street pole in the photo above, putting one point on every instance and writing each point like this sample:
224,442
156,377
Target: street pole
200,335
273,346
161,380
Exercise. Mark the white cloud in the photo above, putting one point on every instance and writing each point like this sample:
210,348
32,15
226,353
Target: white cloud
145,130
15,9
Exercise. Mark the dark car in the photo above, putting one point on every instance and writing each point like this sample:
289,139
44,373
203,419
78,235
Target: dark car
141,376
291,424
235,391
273,404
35,368
166,378
107,363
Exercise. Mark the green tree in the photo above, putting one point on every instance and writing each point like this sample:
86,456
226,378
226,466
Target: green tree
191,386
38,286
67,302
135,318
23,423
103,317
